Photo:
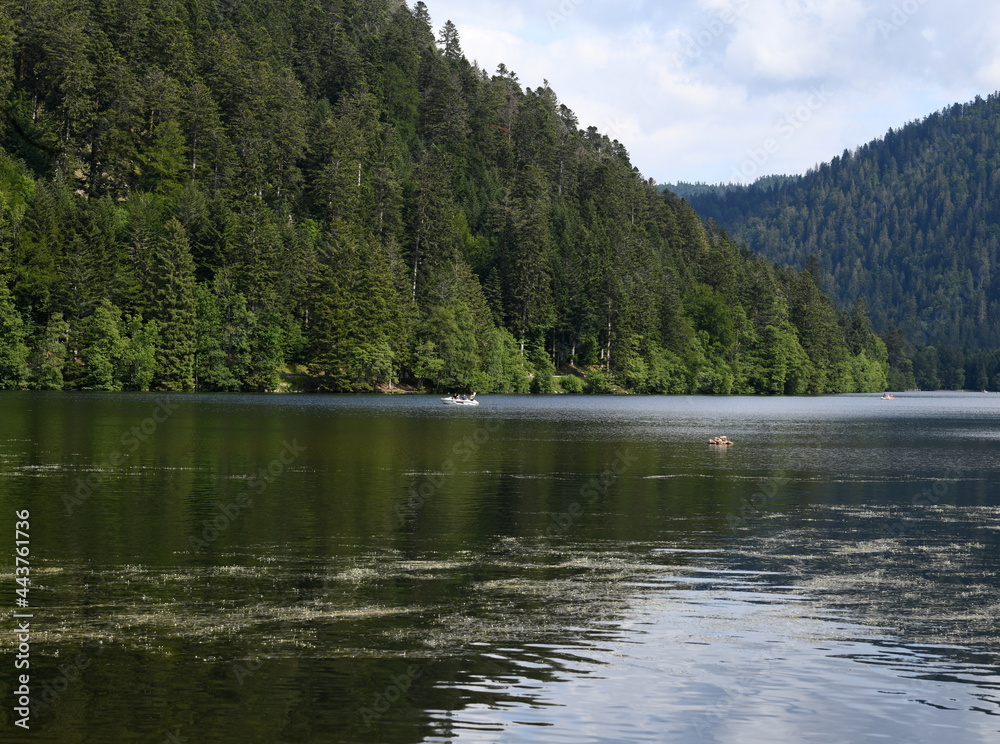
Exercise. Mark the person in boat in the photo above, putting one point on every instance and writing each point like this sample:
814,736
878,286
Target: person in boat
473,396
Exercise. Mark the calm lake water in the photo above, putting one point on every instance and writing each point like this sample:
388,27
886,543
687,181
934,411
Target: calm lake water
235,568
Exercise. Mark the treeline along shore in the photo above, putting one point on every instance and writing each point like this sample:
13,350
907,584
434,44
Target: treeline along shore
329,195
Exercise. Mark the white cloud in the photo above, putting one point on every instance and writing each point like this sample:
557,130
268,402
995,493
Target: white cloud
694,88
494,15
989,75
792,40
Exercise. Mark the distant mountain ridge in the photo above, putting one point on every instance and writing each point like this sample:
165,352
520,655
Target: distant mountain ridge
687,190
909,223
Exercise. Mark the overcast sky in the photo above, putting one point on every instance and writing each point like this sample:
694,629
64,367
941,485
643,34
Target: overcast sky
730,90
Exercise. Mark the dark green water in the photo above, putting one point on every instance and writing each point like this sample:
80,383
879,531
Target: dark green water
537,569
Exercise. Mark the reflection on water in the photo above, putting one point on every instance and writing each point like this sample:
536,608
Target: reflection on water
328,569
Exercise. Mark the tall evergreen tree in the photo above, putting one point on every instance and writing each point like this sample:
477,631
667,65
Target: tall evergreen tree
104,349
51,355
525,255
13,350
176,309
449,41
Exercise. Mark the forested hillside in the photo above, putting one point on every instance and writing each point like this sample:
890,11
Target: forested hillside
909,223
212,195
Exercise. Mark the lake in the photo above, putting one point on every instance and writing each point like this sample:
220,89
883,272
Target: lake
309,568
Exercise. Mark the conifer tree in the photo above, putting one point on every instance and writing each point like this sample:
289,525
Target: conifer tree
139,356
175,308
212,370
13,351
525,255
104,349
449,41
421,13
50,355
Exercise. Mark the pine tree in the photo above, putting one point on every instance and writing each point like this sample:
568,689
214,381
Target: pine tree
175,308
447,352
525,256
449,41
13,351
51,355
265,356
355,315
211,369
139,354
421,13
104,349
431,223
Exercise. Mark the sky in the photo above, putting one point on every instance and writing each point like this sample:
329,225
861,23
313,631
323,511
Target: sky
727,91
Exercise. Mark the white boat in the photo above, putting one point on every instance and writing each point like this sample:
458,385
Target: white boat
460,402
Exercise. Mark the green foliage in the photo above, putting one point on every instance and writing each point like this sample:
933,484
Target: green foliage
571,384
667,374
355,316
598,383
710,313
51,355
505,367
926,369
784,367
103,350
173,287
266,355
543,383
905,222
13,351
221,347
190,198
139,352
447,348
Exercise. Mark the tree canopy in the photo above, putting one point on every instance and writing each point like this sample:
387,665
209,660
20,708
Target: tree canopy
909,224
226,196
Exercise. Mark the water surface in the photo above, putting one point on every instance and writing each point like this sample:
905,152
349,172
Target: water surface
238,568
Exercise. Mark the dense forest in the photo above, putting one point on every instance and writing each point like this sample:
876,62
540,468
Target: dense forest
328,195
909,224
